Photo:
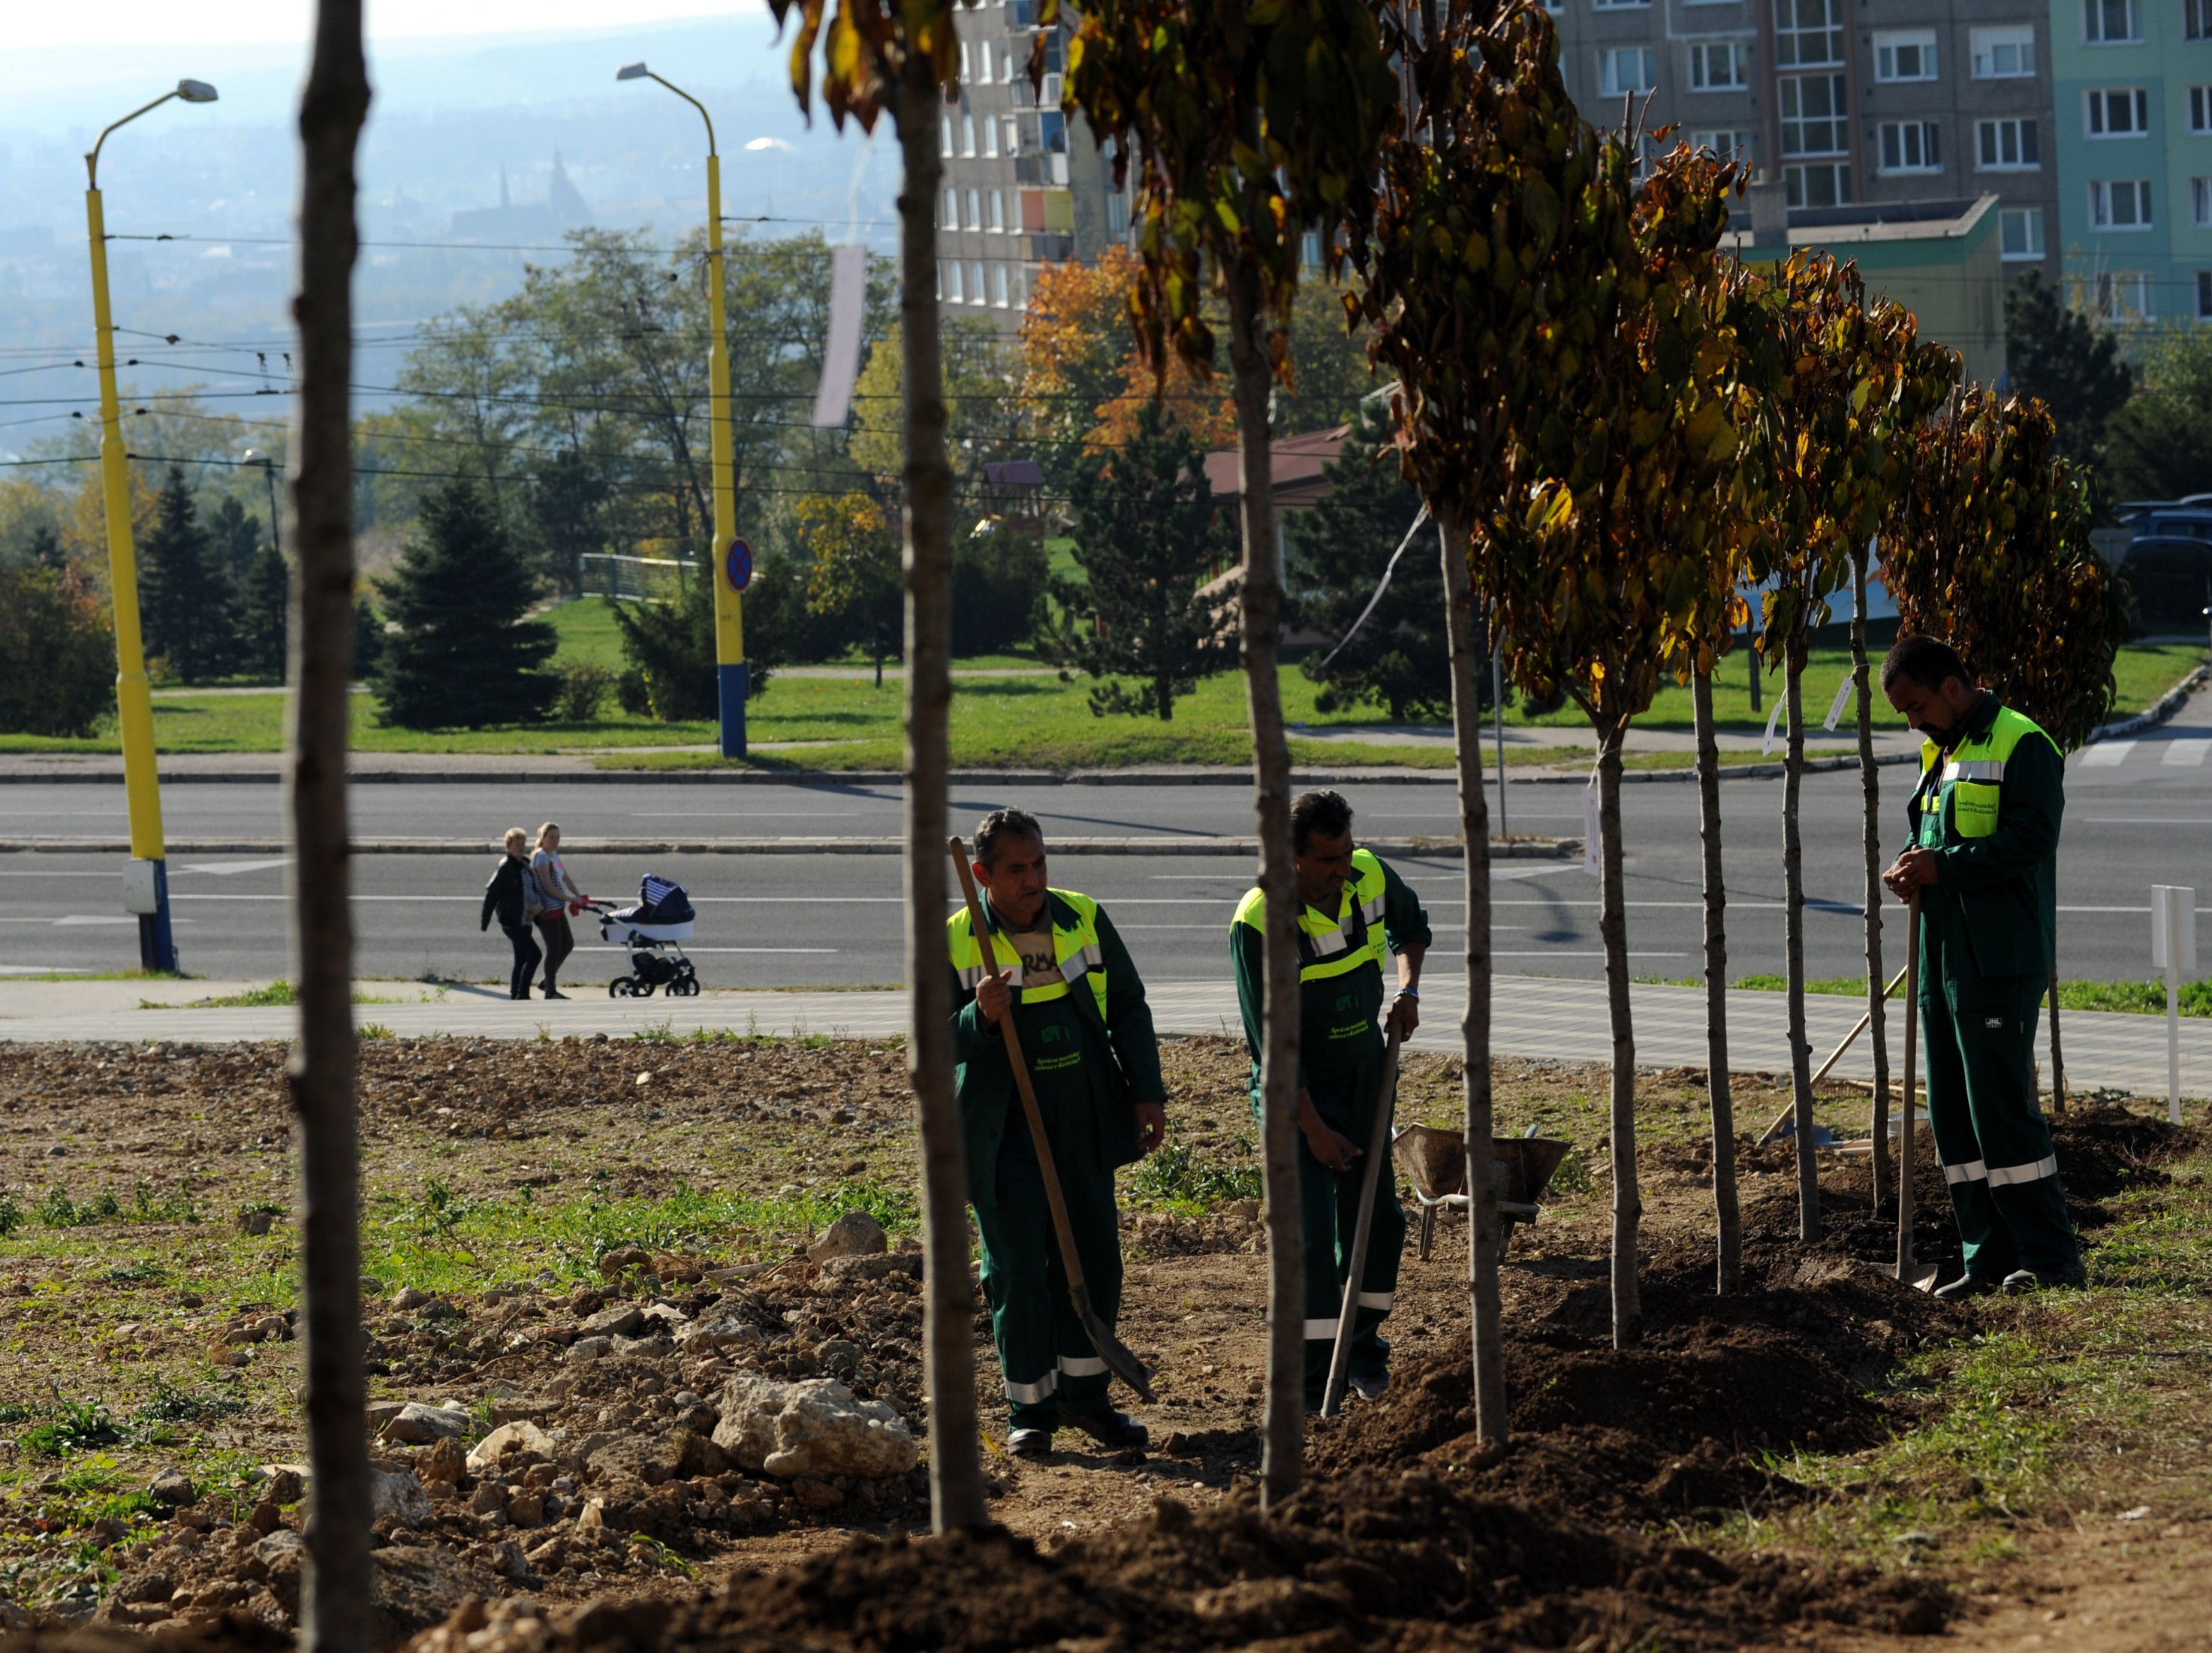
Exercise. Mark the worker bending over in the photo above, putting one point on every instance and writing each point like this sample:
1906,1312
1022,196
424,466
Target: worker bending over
1353,908
1983,858
1080,1016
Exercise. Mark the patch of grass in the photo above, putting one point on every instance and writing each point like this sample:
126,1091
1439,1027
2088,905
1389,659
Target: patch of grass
1845,986
2146,998
279,994
73,1426
1181,1178
107,976
57,1209
175,1406
374,1030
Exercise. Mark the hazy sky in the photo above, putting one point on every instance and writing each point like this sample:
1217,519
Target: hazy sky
240,23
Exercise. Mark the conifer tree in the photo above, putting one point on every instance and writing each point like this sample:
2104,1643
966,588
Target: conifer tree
265,602
1147,536
464,656
187,600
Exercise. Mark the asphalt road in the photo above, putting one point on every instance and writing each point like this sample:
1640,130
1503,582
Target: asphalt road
2139,813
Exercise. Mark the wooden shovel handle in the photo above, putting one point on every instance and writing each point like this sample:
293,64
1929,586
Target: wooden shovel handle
1907,1265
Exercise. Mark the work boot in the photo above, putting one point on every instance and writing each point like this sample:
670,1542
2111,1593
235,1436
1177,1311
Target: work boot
1369,1378
2027,1280
1117,1431
1966,1286
1034,1444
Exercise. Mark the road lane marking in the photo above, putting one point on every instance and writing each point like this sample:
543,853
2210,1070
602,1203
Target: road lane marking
2185,754
2107,754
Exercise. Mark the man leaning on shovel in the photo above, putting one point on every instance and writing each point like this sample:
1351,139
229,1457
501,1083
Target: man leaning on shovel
1352,910
1984,843
1081,1021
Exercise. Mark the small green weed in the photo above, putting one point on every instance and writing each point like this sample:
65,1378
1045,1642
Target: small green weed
11,1215
374,1030
72,1427
57,1209
141,1273
176,1405
1178,1175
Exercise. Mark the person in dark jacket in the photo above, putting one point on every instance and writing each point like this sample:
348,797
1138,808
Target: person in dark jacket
511,895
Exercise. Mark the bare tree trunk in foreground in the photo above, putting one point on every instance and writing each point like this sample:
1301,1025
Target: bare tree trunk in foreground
1725,1208
335,1610
1612,929
955,1468
1870,791
1793,885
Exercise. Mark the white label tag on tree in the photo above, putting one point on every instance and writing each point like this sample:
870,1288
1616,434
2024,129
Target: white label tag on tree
1836,706
1767,745
1592,863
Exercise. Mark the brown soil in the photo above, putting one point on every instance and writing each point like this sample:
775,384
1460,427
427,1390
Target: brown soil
1408,1532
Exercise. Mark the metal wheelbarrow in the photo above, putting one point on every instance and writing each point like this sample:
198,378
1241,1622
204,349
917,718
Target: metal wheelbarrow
1437,1161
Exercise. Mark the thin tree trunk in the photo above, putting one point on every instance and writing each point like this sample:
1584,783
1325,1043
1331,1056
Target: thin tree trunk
1725,1208
1483,1248
334,1611
1283,1433
1612,929
1751,656
2057,1057
955,1469
1793,887
1870,792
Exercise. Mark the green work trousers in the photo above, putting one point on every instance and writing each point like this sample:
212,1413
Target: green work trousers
1050,1368
1989,1131
1331,1211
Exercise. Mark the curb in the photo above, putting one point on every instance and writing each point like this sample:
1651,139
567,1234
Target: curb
1511,850
2167,705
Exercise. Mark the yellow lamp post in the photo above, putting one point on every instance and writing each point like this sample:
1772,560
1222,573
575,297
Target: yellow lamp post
146,880
730,565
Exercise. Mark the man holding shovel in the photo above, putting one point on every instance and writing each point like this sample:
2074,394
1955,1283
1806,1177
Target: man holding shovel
1982,866
1353,909
1082,1026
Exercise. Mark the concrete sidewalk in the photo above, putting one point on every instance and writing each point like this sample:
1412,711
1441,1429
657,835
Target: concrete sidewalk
1549,1019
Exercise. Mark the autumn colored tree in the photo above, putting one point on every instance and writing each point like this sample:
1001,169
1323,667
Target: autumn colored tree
1236,129
853,567
902,59
1074,345
1837,434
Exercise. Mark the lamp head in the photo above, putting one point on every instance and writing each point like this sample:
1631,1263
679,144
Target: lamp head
195,92
630,72
253,456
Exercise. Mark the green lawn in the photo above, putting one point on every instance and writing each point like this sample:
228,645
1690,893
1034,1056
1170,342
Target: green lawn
1032,721
2144,997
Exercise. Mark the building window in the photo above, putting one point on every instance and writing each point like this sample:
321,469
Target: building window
968,135
997,202
2020,232
951,218
2204,296
2111,23
2120,204
990,137
975,283
2200,203
1719,66
974,217
2005,146
1813,115
2118,112
1824,183
1013,135
1905,54
1909,146
2200,108
1622,69
1117,214
964,62
1807,34
2124,295
999,285
949,288
1618,5
2197,19
2004,54
944,135
1728,145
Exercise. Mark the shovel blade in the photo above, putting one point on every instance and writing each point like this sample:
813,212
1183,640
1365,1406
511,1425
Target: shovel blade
1921,1277
1119,1358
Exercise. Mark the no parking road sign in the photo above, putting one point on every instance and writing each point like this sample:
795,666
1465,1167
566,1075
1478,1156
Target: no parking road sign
739,565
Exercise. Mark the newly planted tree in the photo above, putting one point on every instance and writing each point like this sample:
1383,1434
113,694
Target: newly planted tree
901,59
336,1613
1855,384
1476,279
1236,129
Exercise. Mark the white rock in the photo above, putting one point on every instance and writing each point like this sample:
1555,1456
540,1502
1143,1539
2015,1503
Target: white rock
718,1335
590,1348
855,1234
396,1492
417,1423
520,1437
814,1427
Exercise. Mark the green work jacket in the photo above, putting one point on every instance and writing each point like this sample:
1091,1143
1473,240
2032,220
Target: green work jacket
1119,1046
1340,986
1991,808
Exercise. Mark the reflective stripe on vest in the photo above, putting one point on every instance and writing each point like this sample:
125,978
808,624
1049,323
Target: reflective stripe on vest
1972,781
1075,949
1328,948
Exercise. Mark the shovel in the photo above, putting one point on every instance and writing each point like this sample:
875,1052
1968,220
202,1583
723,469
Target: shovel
1378,1150
1119,1359
1908,1268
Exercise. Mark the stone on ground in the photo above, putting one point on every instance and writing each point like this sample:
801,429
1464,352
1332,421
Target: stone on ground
813,1427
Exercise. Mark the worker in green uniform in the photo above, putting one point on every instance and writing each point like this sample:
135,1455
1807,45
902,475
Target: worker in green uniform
1081,1017
1982,858
1353,909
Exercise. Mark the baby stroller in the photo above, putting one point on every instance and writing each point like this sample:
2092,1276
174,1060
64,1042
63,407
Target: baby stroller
653,932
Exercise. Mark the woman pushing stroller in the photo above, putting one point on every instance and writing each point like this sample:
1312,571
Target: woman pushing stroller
512,895
557,897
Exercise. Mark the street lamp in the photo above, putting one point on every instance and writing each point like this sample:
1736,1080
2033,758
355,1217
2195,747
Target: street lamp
146,880
254,456
729,607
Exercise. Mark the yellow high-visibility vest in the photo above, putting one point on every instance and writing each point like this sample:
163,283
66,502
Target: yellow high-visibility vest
1334,946
1972,781
1074,948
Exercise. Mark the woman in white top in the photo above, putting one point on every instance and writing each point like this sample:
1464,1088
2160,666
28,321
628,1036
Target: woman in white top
557,897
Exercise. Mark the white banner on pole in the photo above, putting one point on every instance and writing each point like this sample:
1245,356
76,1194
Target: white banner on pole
1836,706
841,360
1766,743
2173,950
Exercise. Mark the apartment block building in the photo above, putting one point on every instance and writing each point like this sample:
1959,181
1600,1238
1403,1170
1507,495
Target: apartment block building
1024,185
2132,84
1853,111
